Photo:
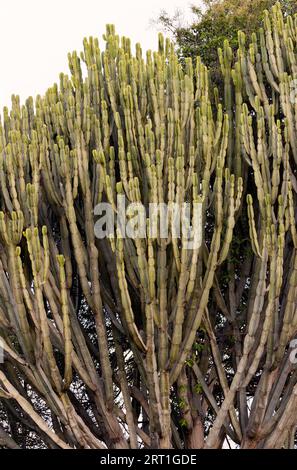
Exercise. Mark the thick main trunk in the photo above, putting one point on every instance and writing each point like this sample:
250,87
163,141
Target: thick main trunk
195,437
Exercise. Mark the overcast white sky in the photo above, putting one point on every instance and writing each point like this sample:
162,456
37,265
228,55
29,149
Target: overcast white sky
36,35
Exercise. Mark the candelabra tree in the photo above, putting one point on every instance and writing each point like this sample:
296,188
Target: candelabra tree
146,341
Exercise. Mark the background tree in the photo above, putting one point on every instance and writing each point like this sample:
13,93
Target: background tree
214,21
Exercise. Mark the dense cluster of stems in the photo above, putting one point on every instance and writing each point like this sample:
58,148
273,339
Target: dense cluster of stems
130,343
